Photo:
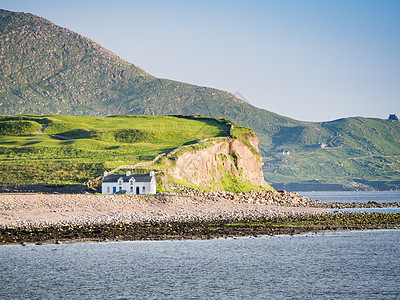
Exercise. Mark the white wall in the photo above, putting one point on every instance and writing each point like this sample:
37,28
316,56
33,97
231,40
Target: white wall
149,187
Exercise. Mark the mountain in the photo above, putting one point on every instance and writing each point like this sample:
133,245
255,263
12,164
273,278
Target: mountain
47,69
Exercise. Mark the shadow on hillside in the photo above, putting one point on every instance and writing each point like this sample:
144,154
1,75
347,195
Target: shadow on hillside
32,143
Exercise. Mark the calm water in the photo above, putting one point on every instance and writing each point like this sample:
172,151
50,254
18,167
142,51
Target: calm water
334,265
361,197
348,197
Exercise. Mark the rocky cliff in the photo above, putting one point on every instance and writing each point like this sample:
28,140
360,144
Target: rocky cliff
223,164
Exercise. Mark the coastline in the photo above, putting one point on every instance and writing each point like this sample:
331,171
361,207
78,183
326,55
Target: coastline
60,218
35,209
188,230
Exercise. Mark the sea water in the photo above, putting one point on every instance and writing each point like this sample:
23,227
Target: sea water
348,196
330,265
360,197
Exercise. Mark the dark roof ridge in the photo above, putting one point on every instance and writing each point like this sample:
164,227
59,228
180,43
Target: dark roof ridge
137,177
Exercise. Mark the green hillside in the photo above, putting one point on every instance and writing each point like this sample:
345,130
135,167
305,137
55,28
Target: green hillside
352,153
76,149
47,69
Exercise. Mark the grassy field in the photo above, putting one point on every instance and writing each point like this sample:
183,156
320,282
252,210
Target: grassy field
93,144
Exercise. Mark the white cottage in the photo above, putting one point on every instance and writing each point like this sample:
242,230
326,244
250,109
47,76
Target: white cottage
142,184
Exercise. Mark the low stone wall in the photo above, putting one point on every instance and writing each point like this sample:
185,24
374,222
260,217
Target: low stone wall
281,198
43,188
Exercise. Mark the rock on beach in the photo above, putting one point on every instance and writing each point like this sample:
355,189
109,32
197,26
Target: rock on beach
47,209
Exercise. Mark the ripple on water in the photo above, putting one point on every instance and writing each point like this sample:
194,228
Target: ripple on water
329,265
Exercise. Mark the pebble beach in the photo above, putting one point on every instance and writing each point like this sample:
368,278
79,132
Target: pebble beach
59,218
49,209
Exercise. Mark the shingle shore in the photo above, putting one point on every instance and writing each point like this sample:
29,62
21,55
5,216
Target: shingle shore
47,209
51,218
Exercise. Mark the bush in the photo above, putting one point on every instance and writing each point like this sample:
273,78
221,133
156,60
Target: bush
78,134
133,135
111,136
18,127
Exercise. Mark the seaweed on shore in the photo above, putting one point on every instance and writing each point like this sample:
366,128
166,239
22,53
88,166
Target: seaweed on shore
230,227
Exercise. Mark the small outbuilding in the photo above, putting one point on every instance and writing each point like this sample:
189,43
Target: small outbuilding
283,152
140,184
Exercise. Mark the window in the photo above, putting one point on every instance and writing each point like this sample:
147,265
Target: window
108,189
144,189
120,188
132,189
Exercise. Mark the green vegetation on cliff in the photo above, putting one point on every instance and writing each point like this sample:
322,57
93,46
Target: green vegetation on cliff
75,149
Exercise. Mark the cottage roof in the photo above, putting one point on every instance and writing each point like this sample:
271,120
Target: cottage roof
137,177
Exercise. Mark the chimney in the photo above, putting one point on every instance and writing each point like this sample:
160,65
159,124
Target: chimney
151,174
128,173
105,173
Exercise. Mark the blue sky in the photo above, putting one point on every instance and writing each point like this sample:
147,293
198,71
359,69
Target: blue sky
314,60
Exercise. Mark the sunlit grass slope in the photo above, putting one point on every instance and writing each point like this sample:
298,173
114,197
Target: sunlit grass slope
93,144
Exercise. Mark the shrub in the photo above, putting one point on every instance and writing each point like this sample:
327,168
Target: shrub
18,127
78,134
133,135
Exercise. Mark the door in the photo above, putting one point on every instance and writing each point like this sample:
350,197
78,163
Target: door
137,190
114,189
